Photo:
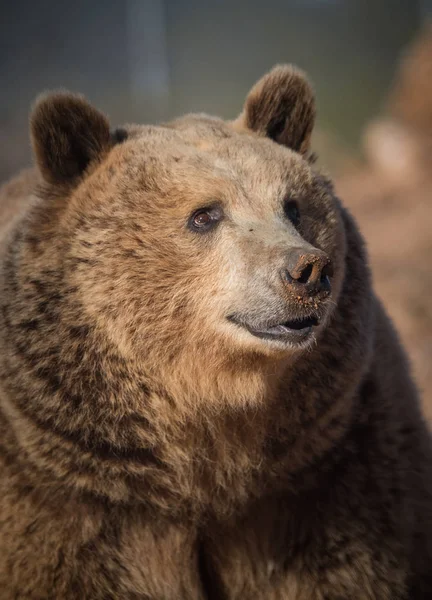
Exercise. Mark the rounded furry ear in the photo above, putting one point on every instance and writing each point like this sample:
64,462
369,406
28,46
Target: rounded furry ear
67,135
281,106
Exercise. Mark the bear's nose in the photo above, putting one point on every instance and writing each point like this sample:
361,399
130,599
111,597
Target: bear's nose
308,271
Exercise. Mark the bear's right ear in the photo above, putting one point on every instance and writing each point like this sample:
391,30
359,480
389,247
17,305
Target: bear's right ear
67,135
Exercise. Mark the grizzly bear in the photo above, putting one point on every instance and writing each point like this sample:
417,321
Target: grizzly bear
201,396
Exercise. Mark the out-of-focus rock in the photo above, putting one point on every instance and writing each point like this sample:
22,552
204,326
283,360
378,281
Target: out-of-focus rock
391,196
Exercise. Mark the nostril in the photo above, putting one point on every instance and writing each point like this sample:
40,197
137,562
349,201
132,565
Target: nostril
324,280
327,270
305,274
286,275
325,285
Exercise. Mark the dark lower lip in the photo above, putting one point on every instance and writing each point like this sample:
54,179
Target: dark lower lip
290,332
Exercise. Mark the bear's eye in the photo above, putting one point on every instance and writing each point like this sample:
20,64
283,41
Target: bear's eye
205,219
292,212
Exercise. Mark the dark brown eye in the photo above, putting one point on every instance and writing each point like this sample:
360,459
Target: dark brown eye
201,219
205,219
292,212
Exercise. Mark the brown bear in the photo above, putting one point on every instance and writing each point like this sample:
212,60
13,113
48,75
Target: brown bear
201,397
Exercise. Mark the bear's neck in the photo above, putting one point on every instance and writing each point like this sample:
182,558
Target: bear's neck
89,418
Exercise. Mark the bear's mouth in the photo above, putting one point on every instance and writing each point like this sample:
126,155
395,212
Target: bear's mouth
292,331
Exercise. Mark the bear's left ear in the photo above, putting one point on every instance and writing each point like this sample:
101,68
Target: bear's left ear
68,134
281,106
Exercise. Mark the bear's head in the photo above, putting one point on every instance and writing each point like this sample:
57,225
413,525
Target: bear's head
194,249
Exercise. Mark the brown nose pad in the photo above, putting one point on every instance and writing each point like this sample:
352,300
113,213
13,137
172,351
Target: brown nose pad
309,271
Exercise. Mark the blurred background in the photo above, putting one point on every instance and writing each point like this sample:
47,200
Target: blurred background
371,65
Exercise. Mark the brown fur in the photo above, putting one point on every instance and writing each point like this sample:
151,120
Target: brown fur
281,106
151,448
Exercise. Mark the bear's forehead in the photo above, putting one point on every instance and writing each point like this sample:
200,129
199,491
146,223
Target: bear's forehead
203,150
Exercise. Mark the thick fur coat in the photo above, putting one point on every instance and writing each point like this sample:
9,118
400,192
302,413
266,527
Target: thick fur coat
186,411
